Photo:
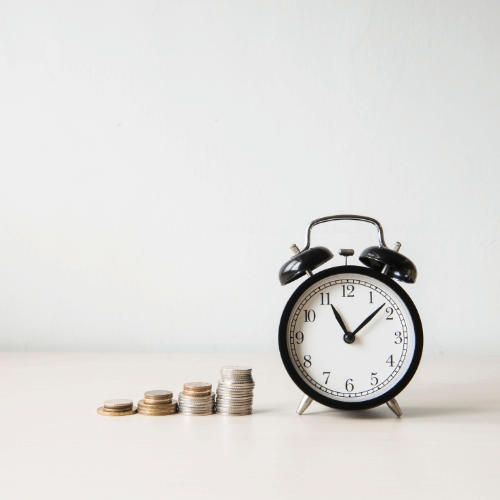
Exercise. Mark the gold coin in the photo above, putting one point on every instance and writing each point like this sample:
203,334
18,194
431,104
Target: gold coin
196,394
156,413
198,386
157,401
117,410
158,395
118,403
159,406
106,413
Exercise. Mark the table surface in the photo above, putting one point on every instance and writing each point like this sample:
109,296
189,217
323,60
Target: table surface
54,445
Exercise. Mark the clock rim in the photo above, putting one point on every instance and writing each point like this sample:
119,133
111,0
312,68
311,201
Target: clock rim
290,366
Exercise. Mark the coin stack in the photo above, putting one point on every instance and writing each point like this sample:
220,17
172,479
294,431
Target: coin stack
117,408
157,403
197,398
235,391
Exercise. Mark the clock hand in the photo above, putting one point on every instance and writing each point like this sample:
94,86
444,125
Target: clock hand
367,320
339,319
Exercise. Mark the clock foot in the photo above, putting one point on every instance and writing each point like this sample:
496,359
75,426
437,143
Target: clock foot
304,404
394,406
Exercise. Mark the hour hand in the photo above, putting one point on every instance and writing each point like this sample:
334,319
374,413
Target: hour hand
339,319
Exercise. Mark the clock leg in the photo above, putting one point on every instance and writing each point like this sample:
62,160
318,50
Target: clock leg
394,406
304,404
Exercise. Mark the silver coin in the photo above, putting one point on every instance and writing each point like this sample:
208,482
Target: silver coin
196,403
197,406
233,395
238,385
203,408
236,381
198,415
196,410
236,392
181,394
196,400
236,374
233,403
223,388
205,412
118,404
187,396
234,414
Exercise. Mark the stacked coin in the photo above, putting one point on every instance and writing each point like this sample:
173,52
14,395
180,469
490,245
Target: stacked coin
235,391
157,403
197,398
117,408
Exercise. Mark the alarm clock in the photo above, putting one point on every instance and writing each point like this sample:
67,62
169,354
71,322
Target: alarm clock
350,337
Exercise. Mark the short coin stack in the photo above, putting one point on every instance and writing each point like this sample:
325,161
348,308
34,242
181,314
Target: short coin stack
197,398
235,391
157,403
117,408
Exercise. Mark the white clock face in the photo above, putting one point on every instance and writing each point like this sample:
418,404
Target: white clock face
381,352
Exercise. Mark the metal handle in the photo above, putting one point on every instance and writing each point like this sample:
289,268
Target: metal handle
345,217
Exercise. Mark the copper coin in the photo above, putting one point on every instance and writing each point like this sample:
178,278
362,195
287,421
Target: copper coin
158,395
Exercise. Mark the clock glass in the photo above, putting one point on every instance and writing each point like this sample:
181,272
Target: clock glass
351,337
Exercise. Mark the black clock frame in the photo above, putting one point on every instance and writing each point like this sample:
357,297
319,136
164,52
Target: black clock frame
290,366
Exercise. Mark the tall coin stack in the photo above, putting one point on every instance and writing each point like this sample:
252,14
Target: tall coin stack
157,403
197,398
117,408
235,391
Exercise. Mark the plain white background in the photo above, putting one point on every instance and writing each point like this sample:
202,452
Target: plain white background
158,158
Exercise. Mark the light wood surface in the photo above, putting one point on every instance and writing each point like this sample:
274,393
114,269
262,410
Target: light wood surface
54,445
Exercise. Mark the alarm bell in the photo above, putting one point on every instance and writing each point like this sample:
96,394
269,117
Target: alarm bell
303,263
389,262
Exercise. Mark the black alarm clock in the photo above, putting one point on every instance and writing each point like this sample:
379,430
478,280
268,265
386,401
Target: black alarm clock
350,337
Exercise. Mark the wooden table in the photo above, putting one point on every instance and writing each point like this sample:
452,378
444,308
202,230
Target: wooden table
54,445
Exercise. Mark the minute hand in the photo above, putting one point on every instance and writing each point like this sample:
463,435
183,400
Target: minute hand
367,320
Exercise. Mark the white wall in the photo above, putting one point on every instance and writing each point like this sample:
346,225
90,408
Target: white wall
158,158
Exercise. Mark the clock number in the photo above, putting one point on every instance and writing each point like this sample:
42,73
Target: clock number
374,379
300,337
310,315
390,361
307,361
398,338
325,299
326,373
349,385
350,290
371,297
389,311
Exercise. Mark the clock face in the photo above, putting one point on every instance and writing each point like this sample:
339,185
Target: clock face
351,338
